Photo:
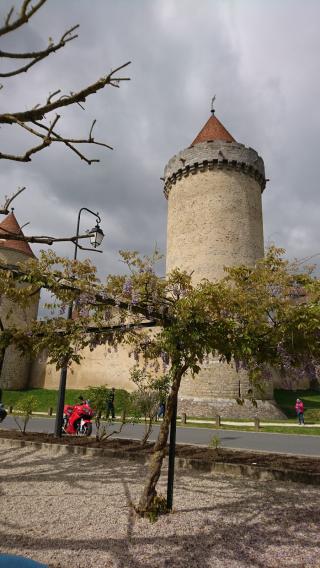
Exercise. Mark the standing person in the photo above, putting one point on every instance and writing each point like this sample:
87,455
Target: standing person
161,409
110,404
300,411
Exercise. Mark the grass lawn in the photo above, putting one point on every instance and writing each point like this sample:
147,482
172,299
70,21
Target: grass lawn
294,429
306,430
48,398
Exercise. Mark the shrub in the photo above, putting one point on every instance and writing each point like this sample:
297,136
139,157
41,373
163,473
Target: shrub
23,411
145,401
215,443
98,399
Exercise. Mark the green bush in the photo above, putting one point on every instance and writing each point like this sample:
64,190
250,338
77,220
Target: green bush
23,411
215,443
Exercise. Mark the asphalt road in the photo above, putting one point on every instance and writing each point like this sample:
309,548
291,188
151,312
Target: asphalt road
282,443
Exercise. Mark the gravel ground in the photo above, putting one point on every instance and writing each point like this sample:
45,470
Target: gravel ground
75,512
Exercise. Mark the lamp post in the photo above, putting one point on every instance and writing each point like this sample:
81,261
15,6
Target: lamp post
172,454
96,236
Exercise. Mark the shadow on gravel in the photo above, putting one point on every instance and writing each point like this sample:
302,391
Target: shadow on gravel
243,519
59,466
242,541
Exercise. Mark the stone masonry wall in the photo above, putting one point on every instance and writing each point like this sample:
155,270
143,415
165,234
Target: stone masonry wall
103,366
214,220
222,380
16,367
229,408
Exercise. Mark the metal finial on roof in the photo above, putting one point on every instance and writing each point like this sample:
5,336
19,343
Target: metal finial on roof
212,101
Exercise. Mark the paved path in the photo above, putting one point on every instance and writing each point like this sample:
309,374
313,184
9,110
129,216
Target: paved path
191,421
283,443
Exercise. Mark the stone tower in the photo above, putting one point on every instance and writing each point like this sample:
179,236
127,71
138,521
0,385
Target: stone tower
213,189
15,368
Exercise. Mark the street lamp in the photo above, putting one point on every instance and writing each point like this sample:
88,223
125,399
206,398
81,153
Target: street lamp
96,236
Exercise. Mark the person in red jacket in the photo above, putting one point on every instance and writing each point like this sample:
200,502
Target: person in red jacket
300,410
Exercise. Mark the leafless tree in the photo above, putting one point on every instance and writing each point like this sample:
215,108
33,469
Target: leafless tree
40,121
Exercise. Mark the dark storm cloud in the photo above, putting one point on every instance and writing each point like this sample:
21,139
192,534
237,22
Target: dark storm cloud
259,58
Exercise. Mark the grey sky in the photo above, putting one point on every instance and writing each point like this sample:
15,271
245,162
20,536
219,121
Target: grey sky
260,58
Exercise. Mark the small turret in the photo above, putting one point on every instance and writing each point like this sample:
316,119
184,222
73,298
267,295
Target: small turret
10,225
15,368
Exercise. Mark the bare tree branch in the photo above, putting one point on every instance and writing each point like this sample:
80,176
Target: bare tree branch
51,47
39,112
25,157
22,18
51,95
31,119
53,136
37,56
58,138
7,21
4,209
6,235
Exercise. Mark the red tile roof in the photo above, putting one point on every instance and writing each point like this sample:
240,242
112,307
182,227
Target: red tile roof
213,130
11,225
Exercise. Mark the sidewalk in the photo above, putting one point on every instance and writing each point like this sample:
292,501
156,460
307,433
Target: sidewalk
249,423
191,421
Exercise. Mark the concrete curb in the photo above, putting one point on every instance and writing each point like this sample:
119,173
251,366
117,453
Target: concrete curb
238,470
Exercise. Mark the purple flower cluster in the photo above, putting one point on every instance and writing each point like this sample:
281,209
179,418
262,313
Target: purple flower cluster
134,298
107,314
127,286
165,357
62,309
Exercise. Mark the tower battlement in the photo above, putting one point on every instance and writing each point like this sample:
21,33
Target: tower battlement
215,154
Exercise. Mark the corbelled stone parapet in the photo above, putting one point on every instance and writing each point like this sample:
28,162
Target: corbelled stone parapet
214,155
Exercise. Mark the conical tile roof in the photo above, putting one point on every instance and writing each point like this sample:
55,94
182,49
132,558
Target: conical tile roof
11,225
213,130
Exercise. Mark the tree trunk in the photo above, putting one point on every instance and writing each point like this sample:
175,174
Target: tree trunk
147,432
98,425
149,491
2,355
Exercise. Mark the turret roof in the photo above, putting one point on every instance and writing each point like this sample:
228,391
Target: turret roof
11,225
213,130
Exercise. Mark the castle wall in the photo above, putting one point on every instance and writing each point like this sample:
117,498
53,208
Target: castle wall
103,366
